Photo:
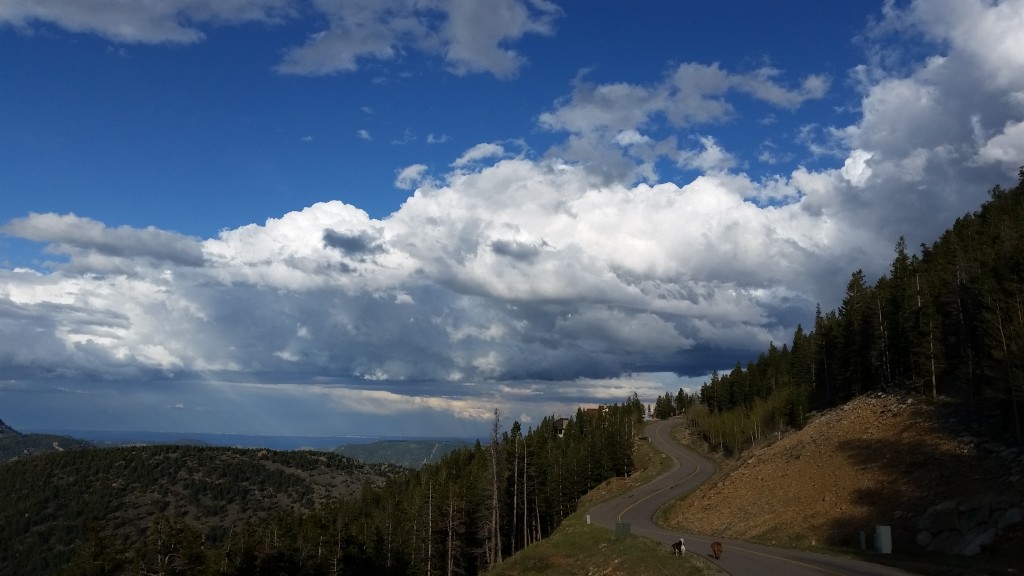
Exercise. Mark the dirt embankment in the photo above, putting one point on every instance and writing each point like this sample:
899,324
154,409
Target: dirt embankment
879,460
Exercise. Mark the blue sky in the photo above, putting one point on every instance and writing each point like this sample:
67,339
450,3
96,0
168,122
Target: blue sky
388,216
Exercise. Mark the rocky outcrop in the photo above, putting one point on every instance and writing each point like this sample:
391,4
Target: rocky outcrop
966,525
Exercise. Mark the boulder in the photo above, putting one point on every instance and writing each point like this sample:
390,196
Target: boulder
940,518
1011,516
946,543
972,543
977,515
965,526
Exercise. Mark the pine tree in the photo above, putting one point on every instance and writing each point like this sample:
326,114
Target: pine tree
857,334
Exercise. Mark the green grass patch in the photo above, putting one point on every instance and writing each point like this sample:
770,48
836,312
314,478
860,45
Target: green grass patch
578,548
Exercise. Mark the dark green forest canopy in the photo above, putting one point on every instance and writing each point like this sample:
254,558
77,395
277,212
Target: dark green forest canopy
53,501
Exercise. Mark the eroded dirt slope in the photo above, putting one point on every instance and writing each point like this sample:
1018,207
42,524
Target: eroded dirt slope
880,459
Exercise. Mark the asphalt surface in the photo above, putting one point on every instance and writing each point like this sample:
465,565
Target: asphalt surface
689,470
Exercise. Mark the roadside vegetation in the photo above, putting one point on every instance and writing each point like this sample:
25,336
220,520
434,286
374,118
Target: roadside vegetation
578,548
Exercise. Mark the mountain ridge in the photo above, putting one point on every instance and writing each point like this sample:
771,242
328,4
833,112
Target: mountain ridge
15,445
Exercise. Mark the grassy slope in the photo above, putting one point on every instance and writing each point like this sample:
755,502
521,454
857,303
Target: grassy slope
577,548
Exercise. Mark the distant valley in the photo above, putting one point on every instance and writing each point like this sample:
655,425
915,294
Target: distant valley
411,453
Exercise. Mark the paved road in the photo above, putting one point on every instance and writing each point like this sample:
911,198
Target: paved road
690,470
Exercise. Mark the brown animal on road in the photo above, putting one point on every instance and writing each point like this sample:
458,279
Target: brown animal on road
716,550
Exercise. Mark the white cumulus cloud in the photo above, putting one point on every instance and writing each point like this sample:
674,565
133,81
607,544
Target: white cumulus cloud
479,152
409,176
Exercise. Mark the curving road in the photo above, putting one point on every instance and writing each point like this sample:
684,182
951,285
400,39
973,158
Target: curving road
689,470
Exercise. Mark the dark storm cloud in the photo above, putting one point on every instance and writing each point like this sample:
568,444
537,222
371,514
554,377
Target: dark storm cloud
354,244
516,250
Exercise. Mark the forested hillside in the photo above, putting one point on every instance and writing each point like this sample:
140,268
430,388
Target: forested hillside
203,510
948,321
14,444
57,505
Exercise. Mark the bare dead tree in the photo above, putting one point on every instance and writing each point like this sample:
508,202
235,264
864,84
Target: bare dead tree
494,549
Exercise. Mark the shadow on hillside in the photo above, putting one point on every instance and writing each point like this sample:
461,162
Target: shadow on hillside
918,473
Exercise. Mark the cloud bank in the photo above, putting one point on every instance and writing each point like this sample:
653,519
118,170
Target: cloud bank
533,280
